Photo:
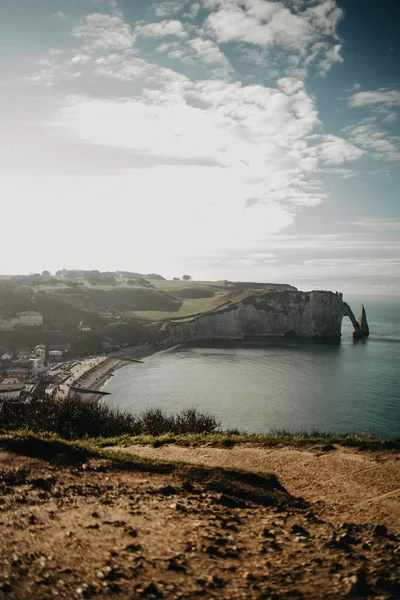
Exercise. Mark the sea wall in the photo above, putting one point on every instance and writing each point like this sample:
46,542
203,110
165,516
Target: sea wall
316,314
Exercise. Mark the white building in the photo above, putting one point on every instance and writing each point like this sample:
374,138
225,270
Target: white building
30,318
8,324
39,352
107,315
37,365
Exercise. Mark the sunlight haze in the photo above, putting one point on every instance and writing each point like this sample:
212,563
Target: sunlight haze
246,140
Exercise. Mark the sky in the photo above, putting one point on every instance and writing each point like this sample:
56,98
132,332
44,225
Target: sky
249,140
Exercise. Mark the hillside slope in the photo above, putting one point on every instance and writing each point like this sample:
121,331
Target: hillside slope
76,525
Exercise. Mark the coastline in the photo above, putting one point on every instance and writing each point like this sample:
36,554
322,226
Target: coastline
97,377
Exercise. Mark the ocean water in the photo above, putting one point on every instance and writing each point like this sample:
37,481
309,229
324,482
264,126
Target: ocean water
348,387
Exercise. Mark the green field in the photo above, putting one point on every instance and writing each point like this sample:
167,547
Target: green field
63,305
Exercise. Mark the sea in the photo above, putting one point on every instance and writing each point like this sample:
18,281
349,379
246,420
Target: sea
349,387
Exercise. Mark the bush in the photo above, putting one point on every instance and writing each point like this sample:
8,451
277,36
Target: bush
75,419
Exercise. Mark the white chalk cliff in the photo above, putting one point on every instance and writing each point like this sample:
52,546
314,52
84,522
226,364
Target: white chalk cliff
316,314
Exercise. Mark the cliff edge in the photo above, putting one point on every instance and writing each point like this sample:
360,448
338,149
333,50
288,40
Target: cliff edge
315,314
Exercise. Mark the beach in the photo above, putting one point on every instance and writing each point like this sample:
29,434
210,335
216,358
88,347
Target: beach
92,373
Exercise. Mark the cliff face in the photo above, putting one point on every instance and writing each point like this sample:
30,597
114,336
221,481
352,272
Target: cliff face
307,314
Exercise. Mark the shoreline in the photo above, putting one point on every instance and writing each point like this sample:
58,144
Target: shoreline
98,377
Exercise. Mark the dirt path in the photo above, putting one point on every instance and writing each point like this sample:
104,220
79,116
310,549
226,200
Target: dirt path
73,525
345,484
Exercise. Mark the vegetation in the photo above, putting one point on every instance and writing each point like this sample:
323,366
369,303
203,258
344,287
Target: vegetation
77,419
323,440
74,419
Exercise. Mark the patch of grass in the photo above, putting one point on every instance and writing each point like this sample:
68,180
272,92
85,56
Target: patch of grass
233,486
326,441
189,308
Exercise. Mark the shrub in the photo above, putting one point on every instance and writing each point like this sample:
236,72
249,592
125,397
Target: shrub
76,418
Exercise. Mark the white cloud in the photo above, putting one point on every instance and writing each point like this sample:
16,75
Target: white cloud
167,8
331,57
60,16
377,142
229,141
80,59
105,32
334,150
265,23
209,52
193,10
381,96
161,29
378,224
344,173
260,255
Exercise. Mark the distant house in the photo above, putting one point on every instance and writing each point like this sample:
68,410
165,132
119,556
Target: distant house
17,374
8,324
107,315
24,353
65,348
30,318
84,326
56,355
39,352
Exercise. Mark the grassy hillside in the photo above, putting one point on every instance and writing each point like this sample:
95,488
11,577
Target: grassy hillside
63,305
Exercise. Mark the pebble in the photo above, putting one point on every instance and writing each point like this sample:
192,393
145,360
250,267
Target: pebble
380,531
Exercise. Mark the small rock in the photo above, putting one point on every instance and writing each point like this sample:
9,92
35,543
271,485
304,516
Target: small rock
151,590
131,532
380,531
133,547
300,530
359,585
32,520
267,533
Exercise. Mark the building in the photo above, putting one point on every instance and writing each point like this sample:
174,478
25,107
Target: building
65,348
84,326
17,374
107,315
30,318
37,365
39,352
56,355
8,324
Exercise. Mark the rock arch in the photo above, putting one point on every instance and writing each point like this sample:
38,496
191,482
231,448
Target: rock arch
360,326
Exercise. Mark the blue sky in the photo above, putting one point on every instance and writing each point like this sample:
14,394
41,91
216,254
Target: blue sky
239,139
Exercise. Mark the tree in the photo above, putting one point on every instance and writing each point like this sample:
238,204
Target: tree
187,278
143,281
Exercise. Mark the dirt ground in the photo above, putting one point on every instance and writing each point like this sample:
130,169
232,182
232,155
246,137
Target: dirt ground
76,526
343,482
